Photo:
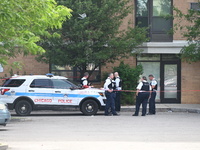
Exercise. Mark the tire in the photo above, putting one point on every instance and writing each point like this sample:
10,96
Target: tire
89,107
23,108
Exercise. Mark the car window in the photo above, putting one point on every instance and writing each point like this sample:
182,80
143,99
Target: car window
41,83
13,83
61,84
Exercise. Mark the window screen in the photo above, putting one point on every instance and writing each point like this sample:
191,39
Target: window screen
195,6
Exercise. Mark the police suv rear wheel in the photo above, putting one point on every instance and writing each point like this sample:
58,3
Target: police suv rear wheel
89,107
23,108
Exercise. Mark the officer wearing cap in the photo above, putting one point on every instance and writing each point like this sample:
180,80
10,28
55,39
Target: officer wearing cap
153,84
118,83
109,87
142,96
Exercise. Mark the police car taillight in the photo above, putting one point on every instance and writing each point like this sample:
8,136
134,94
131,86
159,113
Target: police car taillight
3,91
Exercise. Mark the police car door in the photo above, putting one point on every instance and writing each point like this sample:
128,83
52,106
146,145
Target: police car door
62,93
40,91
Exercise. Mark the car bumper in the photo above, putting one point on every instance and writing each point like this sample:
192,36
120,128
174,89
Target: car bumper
4,117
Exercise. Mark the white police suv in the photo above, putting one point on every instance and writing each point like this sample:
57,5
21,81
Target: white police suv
40,92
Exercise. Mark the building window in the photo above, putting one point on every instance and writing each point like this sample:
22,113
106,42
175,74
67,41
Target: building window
195,6
73,73
153,14
149,61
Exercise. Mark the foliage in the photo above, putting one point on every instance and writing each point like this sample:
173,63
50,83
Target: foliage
130,77
191,52
22,23
93,35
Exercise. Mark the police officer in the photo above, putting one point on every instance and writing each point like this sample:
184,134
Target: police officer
142,96
118,84
84,81
154,87
109,87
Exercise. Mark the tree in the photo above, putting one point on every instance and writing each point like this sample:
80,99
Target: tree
130,77
92,37
191,52
22,23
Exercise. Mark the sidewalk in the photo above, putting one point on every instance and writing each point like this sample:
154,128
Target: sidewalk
190,108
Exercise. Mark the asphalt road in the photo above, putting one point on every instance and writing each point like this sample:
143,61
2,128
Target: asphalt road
49,130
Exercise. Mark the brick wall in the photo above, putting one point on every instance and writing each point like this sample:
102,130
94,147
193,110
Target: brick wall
190,80
129,21
108,67
182,5
29,66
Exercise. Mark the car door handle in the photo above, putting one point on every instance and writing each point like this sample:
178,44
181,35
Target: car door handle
57,91
31,90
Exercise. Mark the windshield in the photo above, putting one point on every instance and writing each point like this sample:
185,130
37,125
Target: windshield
73,83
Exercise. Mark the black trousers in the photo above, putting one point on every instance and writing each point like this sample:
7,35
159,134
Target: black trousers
110,102
152,105
118,101
142,98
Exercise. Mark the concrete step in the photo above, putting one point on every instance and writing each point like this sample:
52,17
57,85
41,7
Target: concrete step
190,108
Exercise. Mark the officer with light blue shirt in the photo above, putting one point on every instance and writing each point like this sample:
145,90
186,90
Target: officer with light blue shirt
118,83
154,86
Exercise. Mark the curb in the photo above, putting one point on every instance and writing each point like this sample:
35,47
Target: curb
3,147
187,110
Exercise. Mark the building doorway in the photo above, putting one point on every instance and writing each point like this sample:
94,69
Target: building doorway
167,70
170,82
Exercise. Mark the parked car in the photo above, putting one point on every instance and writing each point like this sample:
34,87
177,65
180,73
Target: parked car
4,114
33,92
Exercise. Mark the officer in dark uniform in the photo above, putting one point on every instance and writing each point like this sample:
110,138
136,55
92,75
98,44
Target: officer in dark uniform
109,87
142,96
118,83
154,87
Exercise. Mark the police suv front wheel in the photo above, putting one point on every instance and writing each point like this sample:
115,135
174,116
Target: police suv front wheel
23,108
89,107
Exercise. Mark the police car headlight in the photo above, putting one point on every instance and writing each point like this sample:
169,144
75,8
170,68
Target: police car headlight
101,93
2,106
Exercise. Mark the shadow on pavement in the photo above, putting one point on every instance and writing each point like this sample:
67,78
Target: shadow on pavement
40,114
3,129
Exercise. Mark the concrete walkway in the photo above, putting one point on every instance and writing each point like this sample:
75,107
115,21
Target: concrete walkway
190,108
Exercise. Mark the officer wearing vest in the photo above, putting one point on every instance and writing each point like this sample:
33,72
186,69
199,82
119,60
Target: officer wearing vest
154,86
142,96
109,87
84,81
118,91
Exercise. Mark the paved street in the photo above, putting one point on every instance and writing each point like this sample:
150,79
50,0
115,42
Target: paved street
48,130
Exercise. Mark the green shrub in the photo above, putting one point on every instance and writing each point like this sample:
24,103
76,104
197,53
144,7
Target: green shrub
130,76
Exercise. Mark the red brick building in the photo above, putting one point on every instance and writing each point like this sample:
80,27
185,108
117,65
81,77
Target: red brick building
159,56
